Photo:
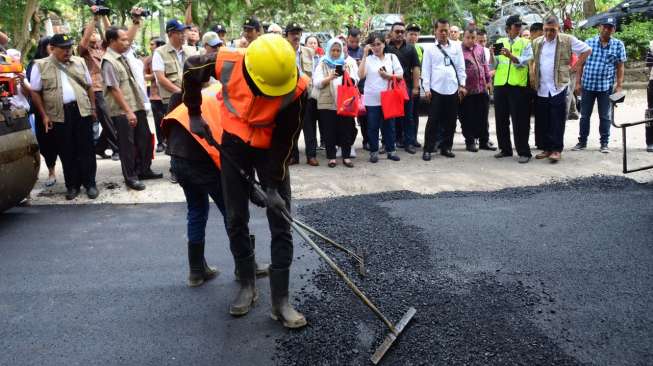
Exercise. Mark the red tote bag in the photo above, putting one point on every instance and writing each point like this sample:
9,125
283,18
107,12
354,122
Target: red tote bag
404,88
349,98
392,100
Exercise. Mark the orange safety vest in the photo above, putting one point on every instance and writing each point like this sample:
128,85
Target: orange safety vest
210,113
248,116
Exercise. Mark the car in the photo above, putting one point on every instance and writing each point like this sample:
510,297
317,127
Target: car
382,22
529,11
620,13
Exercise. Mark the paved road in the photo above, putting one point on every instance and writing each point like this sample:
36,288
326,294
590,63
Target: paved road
105,285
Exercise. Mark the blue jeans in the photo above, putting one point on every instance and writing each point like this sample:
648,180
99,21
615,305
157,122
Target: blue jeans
605,114
409,125
199,180
375,122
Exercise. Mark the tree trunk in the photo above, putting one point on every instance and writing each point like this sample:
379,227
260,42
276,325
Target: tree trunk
22,38
589,8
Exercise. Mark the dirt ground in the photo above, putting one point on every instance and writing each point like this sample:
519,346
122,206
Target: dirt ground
467,172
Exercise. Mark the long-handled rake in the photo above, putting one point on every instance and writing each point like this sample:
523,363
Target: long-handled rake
301,228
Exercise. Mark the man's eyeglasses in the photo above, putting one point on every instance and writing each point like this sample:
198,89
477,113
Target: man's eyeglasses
400,31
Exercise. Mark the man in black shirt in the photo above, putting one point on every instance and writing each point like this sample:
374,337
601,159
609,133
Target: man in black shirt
409,60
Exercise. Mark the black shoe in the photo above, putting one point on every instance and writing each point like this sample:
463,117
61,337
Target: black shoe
447,153
160,148
115,156
72,193
417,144
366,146
136,185
426,156
173,178
150,175
102,154
501,154
92,192
411,149
399,145
487,146
471,147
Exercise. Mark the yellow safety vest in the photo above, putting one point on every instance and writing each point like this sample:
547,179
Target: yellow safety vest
508,73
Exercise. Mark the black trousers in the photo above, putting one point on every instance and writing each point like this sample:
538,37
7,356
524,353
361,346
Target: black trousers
135,145
310,131
236,191
551,116
47,142
109,135
442,117
511,103
74,140
415,115
158,112
473,114
338,131
649,127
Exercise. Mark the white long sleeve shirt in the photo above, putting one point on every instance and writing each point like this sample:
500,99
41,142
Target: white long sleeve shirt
439,72
547,87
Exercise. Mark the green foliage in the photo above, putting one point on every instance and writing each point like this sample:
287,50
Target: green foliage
635,35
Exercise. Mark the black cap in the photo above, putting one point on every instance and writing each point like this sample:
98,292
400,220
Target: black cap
513,19
61,40
294,27
252,22
219,28
609,21
413,27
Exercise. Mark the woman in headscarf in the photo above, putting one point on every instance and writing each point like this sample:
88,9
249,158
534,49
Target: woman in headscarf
326,79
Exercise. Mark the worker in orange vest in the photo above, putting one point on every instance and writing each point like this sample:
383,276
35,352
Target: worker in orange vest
258,110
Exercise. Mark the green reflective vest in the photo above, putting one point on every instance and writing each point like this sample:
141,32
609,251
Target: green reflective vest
508,73
420,52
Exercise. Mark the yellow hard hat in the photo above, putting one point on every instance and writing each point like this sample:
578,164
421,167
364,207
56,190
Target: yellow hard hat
270,62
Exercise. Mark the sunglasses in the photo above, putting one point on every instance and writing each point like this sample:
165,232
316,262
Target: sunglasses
400,31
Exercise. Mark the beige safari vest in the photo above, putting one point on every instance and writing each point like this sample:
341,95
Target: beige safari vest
173,69
52,92
127,85
561,64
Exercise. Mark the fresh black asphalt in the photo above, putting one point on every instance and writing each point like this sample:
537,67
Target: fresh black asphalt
559,274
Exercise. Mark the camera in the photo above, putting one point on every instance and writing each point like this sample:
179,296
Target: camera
144,13
102,9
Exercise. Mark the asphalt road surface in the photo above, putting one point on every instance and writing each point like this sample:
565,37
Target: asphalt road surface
555,274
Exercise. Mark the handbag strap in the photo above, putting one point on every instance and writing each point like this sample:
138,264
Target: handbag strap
446,55
79,82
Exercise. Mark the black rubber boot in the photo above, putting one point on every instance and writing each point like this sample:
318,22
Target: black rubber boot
199,270
262,270
281,309
247,294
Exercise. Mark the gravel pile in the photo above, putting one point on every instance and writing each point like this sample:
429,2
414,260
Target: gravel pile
472,321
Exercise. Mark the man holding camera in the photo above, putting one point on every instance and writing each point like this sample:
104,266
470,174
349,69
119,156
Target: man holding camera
126,104
512,54
62,93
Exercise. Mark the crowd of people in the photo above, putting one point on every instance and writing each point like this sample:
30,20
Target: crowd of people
73,93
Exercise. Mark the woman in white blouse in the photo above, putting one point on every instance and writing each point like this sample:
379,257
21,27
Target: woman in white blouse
328,75
378,68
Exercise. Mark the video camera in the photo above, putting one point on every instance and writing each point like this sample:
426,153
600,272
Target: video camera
102,9
144,13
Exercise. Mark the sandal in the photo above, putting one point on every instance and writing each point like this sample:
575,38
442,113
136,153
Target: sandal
348,163
332,164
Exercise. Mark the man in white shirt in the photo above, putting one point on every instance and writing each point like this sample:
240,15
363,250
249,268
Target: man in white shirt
443,79
550,74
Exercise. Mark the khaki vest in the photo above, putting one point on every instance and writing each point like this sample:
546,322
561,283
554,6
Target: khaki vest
51,90
173,69
127,84
326,97
561,64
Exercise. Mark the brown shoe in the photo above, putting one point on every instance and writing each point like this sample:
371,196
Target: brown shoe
543,155
293,161
555,157
313,162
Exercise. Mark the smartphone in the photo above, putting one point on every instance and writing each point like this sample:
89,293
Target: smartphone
339,70
497,48
382,69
